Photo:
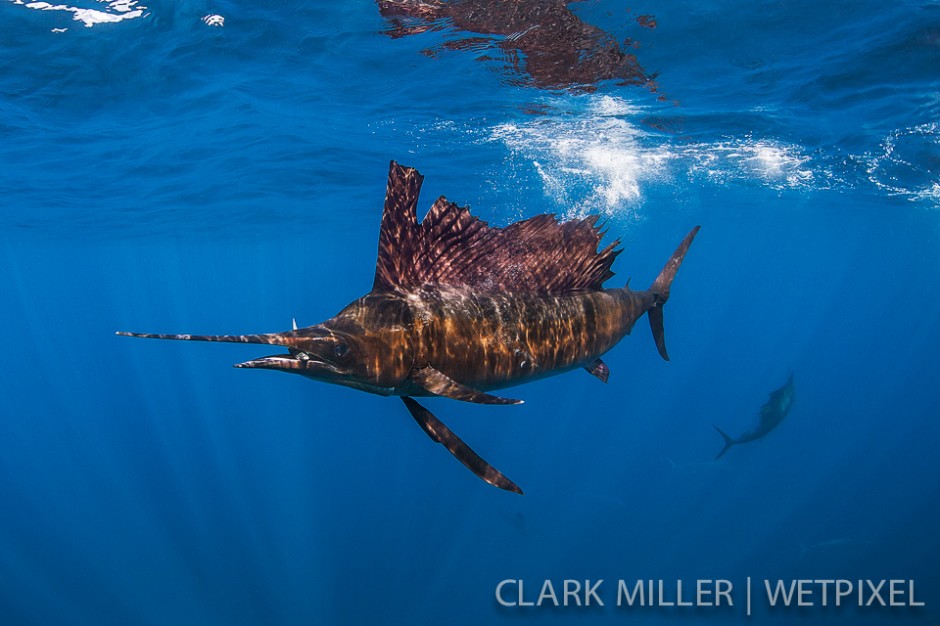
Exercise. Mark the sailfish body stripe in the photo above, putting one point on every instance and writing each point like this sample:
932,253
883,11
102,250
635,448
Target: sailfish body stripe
496,341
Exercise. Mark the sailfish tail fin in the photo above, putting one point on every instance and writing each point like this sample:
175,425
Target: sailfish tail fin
728,442
660,289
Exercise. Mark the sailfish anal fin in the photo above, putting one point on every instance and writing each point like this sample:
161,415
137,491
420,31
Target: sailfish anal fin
599,369
441,384
441,434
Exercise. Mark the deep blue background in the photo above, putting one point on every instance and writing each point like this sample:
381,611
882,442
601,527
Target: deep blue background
160,174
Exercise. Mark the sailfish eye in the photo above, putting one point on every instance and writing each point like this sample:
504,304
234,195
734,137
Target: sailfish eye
340,350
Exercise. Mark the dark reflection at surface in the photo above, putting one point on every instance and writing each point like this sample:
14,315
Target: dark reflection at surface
540,39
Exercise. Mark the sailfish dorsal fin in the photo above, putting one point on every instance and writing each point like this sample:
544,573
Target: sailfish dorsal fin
452,247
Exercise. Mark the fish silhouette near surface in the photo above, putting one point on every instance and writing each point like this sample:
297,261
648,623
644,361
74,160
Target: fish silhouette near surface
771,414
541,38
459,308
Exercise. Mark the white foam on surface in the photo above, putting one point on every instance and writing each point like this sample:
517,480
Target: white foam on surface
599,159
110,12
761,161
588,161
908,164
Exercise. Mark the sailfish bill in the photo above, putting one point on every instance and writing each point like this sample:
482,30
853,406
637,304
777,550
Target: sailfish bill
278,339
459,309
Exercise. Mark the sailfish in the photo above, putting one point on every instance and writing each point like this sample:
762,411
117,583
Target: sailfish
771,414
459,309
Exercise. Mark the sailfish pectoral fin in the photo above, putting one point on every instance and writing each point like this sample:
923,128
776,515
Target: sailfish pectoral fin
441,434
441,384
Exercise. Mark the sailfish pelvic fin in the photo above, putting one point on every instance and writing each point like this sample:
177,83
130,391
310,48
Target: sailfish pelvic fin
441,434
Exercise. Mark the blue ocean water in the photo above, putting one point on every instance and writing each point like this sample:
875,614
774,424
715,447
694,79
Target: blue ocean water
219,167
